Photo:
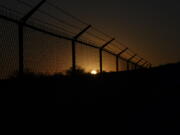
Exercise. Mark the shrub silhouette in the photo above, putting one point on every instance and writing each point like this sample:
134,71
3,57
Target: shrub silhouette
79,71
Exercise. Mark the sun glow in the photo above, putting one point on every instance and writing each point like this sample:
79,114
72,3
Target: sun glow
94,72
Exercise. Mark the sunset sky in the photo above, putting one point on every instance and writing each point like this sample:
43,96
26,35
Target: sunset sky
149,27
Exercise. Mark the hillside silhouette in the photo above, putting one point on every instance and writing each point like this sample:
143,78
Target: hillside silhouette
148,98
78,88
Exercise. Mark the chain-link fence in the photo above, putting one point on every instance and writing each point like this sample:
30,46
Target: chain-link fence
45,44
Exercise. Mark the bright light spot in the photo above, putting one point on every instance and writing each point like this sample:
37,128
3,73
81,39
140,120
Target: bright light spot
93,72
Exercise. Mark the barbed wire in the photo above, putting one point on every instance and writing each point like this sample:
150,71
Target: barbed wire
117,46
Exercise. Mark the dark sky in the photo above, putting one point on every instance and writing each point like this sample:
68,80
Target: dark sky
149,27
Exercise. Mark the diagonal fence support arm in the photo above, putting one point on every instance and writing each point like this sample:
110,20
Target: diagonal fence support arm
100,54
30,13
132,57
123,51
74,47
21,34
139,61
147,65
82,32
106,44
136,64
144,64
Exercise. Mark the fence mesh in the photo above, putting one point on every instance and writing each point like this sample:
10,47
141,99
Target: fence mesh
47,41
122,65
87,57
46,54
8,49
109,62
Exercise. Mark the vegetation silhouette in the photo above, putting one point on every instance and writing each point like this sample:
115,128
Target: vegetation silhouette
163,80
79,71
149,97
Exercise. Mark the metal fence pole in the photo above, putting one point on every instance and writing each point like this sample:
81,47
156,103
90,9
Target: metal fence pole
129,60
117,63
21,50
74,47
136,64
142,66
21,35
127,65
117,58
100,61
100,55
73,56
22,24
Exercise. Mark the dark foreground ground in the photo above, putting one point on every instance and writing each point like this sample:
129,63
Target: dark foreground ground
148,99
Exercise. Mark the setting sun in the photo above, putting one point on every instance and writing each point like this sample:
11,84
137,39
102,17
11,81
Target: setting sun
93,72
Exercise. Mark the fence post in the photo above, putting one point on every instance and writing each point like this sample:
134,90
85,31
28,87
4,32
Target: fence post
144,64
128,61
73,56
117,63
150,66
21,50
100,60
147,66
127,65
74,48
21,36
136,64
100,54
117,58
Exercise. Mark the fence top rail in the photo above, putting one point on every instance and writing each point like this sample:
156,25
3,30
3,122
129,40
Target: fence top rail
61,36
95,45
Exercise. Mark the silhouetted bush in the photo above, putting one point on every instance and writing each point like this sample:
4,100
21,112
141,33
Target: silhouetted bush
79,71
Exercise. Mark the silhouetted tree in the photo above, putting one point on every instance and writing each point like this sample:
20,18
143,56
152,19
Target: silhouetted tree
79,71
